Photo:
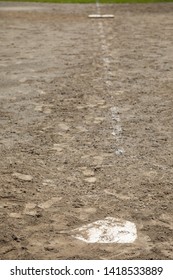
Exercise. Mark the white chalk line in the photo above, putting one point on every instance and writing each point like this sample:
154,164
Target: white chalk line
115,118
110,229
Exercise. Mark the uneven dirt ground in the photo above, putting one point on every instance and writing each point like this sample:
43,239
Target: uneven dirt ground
86,128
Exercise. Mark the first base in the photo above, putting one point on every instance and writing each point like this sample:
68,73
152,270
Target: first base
101,16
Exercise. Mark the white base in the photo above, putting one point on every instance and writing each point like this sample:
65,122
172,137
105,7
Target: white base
109,230
101,16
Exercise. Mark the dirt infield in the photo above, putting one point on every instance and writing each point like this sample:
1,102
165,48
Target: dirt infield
86,129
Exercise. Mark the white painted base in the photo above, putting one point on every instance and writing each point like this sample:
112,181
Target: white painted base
101,16
109,230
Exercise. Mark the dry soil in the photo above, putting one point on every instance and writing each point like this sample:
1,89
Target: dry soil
86,128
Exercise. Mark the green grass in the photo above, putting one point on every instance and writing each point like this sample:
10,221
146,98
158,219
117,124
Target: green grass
92,1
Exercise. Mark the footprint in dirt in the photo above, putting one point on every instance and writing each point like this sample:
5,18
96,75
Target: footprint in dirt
47,204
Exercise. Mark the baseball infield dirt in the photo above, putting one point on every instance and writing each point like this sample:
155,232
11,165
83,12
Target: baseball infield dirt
86,129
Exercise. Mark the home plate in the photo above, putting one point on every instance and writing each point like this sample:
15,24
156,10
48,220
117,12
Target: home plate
109,230
101,16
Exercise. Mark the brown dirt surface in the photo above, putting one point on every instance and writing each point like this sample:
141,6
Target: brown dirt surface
85,128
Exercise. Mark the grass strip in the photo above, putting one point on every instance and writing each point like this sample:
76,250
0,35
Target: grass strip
91,1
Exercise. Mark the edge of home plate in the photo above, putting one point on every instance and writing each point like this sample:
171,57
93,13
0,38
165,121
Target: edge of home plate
110,229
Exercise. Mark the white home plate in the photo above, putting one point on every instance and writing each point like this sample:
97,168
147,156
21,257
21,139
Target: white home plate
109,230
